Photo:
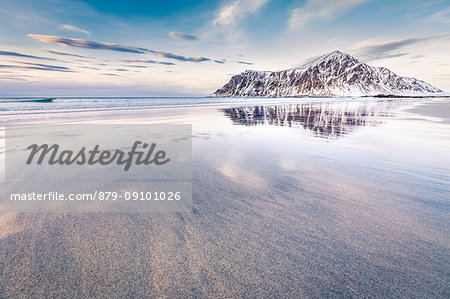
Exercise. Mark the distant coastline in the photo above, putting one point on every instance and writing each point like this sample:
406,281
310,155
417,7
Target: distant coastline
327,97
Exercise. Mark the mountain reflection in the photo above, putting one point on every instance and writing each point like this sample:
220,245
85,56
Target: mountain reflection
326,120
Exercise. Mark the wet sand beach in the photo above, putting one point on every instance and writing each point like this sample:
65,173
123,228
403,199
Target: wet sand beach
323,198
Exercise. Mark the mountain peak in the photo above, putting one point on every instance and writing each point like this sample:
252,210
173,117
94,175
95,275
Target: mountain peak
336,55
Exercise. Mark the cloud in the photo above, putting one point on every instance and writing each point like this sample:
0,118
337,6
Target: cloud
46,66
245,62
12,78
441,16
179,57
181,35
389,49
219,61
418,56
320,9
15,54
136,66
64,54
148,61
74,28
43,68
90,68
236,10
86,44
395,55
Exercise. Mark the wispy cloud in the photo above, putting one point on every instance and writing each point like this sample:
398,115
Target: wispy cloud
148,61
179,57
417,56
12,78
36,67
45,65
64,54
395,55
15,54
86,44
90,68
181,35
136,66
441,16
74,28
389,49
233,11
320,9
245,62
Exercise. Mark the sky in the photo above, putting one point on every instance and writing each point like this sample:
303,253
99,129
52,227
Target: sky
191,48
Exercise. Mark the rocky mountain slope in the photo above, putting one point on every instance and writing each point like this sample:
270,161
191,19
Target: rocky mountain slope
335,74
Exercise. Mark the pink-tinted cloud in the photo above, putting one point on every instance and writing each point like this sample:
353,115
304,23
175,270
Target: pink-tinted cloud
86,44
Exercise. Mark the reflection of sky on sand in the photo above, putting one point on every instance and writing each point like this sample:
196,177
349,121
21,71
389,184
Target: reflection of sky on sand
277,212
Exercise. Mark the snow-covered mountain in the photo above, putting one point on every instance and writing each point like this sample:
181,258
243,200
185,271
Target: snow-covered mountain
335,74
